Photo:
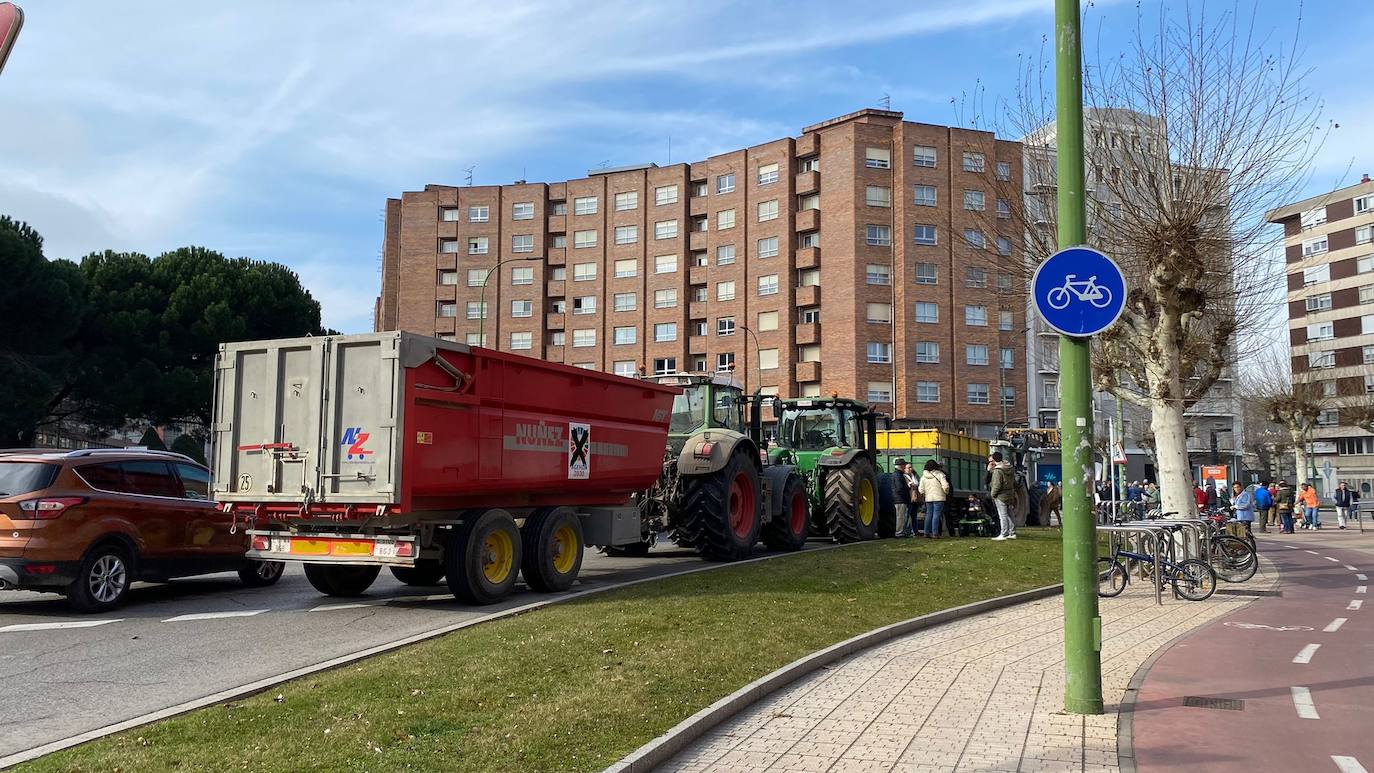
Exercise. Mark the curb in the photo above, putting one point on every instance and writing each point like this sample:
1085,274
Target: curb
260,685
659,750
1125,713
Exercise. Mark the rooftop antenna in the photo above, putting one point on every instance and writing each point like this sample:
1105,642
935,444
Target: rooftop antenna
670,150
469,171
886,102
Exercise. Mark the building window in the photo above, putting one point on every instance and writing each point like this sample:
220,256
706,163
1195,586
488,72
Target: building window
448,214
477,276
1323,302
1364,234
475,339
522,308
768,320
665,299
665,365
1315,246
1328,418
1003,209
1316,275
975,238
976,354
584,272
975,201
1004,320
626,201
1364,265
725,183
559,241
624,335
768,247
725,326
808,240
447,309
878,196
583,239
725,361
877,158
665,264
697,328
477,245
878,313
626,234
522,276
923,156
665,331
811,353
977,394
975,276
624,301
1321,360
725,291
584,338
927,392
928,313
558,207
665,229
974,162
927,352
522,210
1366,294
585,304
448,277
1003,170
1367,355
809,201
556,338
477,310
584,205
1008,396
880,391
768,174
810,277
976,316
1008,359
558,273
1329,388
876,274
768,285
812,164
925,196
700,294
665,194
626,268
479,214
725,219
768,359
768,210
1367,325
624,368
925,234
1364,204
1003,245
725,254
809,316
521,341
879,236
522,243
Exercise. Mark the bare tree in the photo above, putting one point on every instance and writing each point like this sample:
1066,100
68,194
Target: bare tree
1192,133
1290,408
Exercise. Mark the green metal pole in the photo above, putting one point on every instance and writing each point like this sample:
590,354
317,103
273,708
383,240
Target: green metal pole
1082,626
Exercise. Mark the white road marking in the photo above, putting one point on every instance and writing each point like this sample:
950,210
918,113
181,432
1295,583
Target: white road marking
1348,764
1306,653
1351,568
57,626
1313,552
1302,701
1335,625
213,615
1361,588
1329,558
1291,547
358,605
1355,604
1361,577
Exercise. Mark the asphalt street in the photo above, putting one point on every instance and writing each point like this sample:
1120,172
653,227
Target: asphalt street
192,638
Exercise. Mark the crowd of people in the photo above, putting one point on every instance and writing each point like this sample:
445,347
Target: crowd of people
1278,504
923,500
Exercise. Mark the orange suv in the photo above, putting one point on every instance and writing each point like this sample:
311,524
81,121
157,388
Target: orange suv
90,523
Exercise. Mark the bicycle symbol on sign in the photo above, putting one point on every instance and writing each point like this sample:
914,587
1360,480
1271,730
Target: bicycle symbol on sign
1086,290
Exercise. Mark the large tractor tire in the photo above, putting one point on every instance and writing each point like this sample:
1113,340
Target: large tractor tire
482,557
887,506
552,544
851,501
788,530
722,511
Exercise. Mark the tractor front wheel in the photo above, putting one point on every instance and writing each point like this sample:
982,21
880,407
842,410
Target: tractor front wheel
851,501
787,531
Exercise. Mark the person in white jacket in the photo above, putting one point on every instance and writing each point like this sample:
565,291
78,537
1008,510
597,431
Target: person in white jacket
934,488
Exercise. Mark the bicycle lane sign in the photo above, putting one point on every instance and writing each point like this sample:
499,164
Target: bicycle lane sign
1079,291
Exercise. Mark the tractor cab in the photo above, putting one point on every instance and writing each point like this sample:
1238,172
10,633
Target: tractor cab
708,401
809,426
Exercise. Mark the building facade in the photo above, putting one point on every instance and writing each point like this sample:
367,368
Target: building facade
1329,257
858,259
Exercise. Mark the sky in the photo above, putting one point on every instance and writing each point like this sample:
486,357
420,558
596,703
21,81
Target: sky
278,130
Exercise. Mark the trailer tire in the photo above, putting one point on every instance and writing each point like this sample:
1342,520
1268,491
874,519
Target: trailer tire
552,548
722,510
788,530
340,579
851,501
427,571
482,557
887,506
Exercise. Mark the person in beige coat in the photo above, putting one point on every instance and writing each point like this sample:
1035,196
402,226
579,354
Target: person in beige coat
934,488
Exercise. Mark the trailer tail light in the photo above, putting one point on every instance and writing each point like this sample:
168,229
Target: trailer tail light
405,549
704,450
49,507
261,542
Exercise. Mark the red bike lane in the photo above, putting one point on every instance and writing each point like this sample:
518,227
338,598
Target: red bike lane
1285,684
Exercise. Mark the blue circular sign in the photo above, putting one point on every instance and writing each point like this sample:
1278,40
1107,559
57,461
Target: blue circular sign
1079,291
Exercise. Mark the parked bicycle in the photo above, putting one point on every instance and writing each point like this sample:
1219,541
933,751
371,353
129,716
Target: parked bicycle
1191,579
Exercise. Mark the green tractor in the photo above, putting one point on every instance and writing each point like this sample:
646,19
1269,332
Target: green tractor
832,441
715,494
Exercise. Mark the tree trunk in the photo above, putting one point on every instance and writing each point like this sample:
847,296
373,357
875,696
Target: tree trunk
1171,458
1299,455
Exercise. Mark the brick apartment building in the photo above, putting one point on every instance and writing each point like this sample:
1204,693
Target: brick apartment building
855,259
1329,249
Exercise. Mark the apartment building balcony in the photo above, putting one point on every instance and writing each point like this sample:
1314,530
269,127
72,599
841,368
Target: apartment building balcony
558,224
809,257
808,372
809,295
808,182
446,293
696,309
554,288
696,344
808,144
808,333
553,322
448,229
557,256
696,240
554,354
699,206
808,220
447,260
696,275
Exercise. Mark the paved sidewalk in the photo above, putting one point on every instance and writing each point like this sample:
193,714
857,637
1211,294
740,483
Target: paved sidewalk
982,694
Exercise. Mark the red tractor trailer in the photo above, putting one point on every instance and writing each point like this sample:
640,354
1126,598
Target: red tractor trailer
431,458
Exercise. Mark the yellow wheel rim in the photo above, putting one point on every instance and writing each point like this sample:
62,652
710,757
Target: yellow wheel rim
866,502
564,545
498,557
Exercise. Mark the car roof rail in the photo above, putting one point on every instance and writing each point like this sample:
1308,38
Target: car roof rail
131,450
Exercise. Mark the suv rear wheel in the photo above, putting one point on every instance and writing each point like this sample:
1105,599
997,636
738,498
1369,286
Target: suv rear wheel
260,574
103,581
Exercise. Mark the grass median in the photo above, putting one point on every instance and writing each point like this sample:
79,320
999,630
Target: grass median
577,686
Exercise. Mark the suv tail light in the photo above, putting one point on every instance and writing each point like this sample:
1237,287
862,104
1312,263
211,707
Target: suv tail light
49,507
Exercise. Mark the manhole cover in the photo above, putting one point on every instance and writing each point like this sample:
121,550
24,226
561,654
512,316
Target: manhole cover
1203,702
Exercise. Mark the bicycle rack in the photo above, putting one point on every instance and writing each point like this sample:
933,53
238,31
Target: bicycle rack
1133,537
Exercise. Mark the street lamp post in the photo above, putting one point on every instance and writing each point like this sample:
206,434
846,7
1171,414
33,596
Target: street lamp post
757,349
482,297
